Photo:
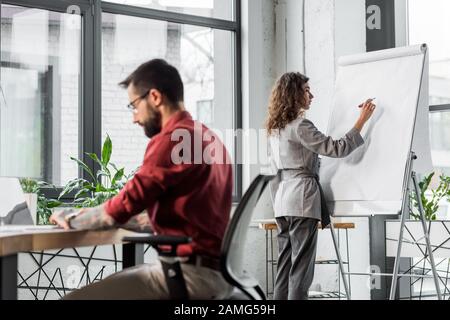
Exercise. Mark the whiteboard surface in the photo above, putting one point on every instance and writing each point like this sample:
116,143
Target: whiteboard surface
370,180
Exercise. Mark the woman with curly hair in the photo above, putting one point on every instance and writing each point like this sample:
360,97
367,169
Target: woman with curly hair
295,145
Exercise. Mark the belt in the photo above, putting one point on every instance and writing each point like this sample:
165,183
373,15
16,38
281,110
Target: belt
301,173
204,261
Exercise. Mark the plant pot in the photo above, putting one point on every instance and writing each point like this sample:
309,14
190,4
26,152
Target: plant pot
414,244
31,200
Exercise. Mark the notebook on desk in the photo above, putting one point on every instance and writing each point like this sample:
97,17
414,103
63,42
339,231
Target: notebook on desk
13,208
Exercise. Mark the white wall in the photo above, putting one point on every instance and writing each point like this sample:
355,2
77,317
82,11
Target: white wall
258,76
258,67
273,43
289,36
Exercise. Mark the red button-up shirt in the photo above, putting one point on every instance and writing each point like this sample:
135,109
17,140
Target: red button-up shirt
184,199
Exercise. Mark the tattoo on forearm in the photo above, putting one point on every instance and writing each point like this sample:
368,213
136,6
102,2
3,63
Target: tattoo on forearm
93,218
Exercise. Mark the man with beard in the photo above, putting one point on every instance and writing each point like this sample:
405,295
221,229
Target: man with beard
182,198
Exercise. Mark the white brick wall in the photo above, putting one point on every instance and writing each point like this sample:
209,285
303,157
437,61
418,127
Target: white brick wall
128,139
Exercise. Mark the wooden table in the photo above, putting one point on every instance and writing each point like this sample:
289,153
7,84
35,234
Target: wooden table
13,242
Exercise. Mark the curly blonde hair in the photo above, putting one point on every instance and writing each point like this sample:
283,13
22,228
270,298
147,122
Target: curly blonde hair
286,101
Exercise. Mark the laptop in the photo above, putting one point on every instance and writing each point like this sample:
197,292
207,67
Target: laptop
13,208
15,215
14,211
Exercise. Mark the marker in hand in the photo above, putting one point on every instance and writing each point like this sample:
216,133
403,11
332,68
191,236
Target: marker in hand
368,100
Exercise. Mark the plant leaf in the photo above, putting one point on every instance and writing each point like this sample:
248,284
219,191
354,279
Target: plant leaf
84,166
102,173
114,166
51,203
106,151
70,186
99,188
94,157
427,181
118,176
82,192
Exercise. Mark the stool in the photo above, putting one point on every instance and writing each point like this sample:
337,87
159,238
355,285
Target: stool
269,225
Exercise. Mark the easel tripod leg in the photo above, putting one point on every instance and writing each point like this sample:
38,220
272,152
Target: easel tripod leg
398,255
403,214
427,236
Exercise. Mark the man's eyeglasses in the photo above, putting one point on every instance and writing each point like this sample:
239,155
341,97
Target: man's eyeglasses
131,105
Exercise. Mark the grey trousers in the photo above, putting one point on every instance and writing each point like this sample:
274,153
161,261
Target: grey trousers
297,242
147,281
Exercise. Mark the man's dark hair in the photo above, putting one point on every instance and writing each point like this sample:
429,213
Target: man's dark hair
157,74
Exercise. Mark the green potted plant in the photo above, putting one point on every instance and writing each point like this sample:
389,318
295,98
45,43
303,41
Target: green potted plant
432,199
40,206
30,189
45,205
430,203
103,185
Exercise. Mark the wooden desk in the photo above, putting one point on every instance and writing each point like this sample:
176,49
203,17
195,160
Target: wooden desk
13,242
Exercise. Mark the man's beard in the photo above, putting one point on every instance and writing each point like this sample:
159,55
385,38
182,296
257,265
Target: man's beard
153,125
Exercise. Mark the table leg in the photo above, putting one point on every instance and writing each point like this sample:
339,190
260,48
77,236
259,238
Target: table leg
267,263
132,254
8,277
272,261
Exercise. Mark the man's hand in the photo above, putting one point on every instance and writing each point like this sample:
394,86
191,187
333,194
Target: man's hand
60,217
86,219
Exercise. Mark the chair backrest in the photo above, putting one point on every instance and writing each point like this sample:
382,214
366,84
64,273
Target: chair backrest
232,254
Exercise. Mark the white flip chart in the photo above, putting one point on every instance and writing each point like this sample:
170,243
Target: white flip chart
370,181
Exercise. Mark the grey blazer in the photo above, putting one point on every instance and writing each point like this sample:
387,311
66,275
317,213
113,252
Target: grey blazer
298,146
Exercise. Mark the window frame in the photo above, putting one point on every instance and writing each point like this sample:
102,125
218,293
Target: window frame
440,108
90,113
437,108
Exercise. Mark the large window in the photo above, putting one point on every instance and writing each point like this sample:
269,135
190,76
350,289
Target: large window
203,56
222,9
61,62
40,73
429,23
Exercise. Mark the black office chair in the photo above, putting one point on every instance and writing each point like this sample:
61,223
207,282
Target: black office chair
231,256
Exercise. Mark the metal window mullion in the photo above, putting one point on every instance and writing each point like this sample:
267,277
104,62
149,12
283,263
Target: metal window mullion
440,108
237,100
90,115
168,16
97,55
